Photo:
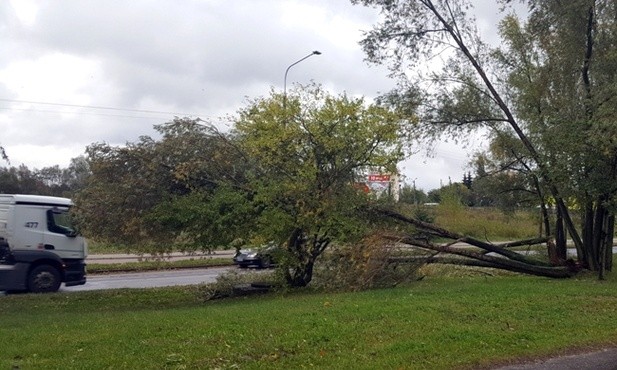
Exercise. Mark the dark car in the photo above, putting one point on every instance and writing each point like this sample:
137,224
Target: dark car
263,257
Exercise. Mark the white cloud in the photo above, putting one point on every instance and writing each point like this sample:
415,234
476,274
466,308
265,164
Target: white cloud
39,156
25,11
65,77
201,57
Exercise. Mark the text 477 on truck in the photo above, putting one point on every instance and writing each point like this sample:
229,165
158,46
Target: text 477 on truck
39,247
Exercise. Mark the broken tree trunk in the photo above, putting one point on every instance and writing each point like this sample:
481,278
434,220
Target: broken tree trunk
480,259
506,259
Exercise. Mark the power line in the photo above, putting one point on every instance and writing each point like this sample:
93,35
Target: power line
79,113
101,107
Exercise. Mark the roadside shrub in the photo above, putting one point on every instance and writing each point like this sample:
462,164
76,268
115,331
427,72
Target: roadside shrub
366,265
236,283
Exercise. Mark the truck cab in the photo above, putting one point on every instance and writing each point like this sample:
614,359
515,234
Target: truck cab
39,247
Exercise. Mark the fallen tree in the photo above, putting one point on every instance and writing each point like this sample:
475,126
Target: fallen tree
504,258
549,88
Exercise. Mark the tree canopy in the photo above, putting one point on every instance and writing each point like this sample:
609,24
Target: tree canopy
307,157
129,182
285,174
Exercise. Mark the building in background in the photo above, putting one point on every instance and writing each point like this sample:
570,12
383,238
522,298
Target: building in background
384,185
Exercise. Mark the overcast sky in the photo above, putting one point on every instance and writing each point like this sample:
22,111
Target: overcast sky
157,59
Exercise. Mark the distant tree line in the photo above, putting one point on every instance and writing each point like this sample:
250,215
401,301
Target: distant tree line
504,190
53,180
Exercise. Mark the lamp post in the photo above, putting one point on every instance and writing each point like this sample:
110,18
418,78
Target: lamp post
287,70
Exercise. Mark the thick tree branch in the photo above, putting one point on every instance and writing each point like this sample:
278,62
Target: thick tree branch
489,261
462,238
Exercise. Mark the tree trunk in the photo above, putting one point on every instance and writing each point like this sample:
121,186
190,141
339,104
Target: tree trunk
595,252
300,276
561,248
602,250
295,267
598,228
544,210
587,224
303,252
608,252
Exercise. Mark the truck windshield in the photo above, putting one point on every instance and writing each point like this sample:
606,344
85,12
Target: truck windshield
59,221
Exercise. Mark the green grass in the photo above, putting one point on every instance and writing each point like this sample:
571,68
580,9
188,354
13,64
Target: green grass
96,247
488,223
437,323
98,268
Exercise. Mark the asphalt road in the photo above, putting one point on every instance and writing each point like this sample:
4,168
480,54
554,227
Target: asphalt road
605,359
150,279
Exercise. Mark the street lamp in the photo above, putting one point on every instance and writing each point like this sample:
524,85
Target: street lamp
287,70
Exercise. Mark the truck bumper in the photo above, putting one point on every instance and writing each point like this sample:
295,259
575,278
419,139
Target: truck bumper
75,282
74,272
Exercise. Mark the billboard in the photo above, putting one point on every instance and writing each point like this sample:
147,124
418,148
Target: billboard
380,184
378,178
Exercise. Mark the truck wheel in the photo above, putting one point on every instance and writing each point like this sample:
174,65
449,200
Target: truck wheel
44,279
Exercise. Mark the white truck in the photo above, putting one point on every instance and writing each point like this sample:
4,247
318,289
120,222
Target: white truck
39,248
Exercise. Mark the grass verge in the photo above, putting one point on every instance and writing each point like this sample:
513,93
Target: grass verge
437,323
102,268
